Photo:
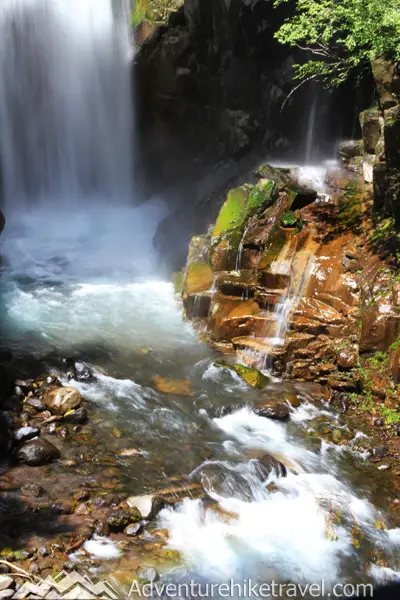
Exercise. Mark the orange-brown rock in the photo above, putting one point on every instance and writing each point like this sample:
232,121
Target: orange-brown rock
180,387
199,278
347,358
380,327
231,317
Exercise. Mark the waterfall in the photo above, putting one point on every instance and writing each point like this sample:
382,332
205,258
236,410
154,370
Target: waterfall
310,138
65,101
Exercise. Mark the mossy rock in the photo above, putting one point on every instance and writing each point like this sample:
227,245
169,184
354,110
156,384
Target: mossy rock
289,219
281,176
241,204
233,213
252,377
199,278
262,195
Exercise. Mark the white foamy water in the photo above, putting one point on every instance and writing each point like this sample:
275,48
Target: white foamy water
289,533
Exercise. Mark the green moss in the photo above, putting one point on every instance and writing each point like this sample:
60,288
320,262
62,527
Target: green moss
395,346
289,219
262,195
155,12
242,203
350,209
378,360
252,377
391,415
233,212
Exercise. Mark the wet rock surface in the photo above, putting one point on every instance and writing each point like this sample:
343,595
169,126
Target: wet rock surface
37,452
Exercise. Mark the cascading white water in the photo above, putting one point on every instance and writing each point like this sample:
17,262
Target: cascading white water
65,100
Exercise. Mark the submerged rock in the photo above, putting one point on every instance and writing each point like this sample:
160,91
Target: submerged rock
180,387
61,400
38,452
268,465
253,377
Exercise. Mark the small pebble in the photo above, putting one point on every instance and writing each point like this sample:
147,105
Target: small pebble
384,467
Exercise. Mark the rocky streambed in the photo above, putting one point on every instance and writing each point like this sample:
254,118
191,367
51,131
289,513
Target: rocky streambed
140,478
139,452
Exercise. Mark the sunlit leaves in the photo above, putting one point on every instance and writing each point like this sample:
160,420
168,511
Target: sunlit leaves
341,35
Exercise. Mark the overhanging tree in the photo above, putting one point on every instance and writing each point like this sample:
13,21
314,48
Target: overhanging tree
341,35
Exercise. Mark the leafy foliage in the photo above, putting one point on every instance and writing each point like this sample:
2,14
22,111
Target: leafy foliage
154,12
341,35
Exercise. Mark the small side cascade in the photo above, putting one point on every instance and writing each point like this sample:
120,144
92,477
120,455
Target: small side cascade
240,250
243,281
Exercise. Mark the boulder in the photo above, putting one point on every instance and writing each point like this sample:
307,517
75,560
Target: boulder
273,410
350,149
62,399
133,530
23,434
268,465
368,167
241,204
36,403
253,377
372,129
121,517
81,372
148,506
76,416
37,452
347,359
392,135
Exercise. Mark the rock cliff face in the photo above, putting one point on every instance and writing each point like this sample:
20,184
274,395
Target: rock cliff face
380,147
211,85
